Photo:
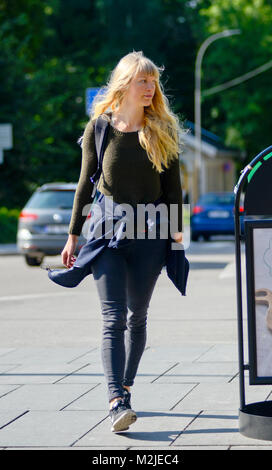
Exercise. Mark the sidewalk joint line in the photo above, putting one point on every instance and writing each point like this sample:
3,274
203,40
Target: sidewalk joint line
22,414
195,385
101,421
71,373
161,375
234,376
186,427
82,355
13,390
203,353
8,352
82,395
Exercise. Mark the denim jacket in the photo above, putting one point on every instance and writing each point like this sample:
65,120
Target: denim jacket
108,223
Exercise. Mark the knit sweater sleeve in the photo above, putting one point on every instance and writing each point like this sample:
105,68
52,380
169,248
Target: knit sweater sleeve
172,192
85,186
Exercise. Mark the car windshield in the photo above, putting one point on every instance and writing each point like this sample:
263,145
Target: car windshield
221,199
51,199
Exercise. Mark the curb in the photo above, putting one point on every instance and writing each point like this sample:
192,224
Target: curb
9,249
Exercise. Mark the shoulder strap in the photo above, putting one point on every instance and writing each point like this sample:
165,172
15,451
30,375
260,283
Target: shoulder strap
101,133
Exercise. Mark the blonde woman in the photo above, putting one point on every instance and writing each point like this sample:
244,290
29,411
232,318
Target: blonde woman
143,139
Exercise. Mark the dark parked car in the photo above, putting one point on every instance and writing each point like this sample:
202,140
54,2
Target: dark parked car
213,215
44,221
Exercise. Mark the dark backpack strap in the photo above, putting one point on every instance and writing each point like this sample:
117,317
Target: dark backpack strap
162,175
101,134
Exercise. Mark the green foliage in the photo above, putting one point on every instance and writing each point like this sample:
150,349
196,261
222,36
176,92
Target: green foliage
243,117
8,224
52,50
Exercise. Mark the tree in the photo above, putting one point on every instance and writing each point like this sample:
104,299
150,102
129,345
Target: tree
52,50
240,114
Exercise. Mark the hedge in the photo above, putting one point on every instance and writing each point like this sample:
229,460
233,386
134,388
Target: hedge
8,224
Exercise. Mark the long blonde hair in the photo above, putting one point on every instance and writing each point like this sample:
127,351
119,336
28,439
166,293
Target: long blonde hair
161,133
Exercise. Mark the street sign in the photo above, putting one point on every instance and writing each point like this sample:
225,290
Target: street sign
89,97
5,139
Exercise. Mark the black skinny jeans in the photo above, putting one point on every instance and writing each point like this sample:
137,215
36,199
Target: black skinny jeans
125,279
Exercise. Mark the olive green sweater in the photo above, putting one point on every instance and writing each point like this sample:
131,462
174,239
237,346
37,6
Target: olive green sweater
127,175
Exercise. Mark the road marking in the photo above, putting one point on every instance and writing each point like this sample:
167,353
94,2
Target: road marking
33,296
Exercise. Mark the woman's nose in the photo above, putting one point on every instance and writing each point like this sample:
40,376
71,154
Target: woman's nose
150,87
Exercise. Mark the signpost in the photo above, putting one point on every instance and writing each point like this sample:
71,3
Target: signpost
255,419
5,139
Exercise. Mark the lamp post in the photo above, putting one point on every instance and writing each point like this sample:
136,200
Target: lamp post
198,63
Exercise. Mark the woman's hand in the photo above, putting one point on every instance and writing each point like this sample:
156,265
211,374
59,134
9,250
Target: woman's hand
68,251
178,237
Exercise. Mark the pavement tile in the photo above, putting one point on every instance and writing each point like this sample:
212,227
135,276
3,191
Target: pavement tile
144,397
43,397
221,353
4,351
5,389
7,416
92,356
186,392
220,396
89,373
7,367
151,429
200,372
49,428
65,448
180,331
215,427
158,397
148,371
188,352
38,373
49,355
181,448
256,447
95,399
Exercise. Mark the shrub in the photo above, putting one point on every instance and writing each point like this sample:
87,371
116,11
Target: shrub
8,224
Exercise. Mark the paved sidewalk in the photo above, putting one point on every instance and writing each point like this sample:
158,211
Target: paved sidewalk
186,393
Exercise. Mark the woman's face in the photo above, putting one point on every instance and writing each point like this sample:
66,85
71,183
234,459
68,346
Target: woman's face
141,89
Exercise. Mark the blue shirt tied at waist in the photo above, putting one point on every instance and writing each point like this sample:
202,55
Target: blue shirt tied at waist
115,226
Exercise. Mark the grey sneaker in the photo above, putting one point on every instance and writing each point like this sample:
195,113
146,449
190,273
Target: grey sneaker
121,416
127,398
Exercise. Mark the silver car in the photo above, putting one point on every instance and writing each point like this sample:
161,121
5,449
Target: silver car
44,221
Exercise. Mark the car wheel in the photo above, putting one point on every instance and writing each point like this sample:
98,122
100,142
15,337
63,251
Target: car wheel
194,237
33,260
206,238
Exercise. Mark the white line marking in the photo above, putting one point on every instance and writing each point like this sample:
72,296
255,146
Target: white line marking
33,296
